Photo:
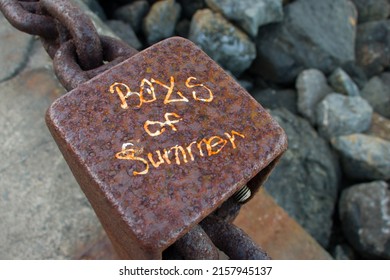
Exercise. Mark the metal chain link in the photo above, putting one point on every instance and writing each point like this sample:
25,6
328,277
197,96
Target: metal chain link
79,54
69,37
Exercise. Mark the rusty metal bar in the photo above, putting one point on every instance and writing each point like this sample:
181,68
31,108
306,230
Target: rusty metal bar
233,241
196,245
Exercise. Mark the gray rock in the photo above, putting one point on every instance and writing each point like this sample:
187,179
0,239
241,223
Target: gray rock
364,157
274,99
312,87
377,93
190,7
125,32
380,127
372,47
221,40
343,252
183,28
100,26
133,13
96,8
313,34
365,217
249,14
339,115
341,82
160,22
14,52
371,10
305,183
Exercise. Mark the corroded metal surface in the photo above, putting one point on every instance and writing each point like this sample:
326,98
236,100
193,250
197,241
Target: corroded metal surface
160,141
196,245
232,240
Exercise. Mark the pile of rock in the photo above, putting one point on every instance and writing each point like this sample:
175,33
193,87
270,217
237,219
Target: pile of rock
321,68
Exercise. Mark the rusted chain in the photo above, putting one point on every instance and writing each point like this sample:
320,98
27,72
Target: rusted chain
69,71
23,19
83,32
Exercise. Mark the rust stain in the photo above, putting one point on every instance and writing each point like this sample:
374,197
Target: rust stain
150,183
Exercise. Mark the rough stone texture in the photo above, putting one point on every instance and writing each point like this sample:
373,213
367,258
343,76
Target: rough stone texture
312,87
43,213
273,99
100,26
380,127
221,40
13,55
343,252
305,182
183,28
313,34
372,46
364,157
160,22
339,115
377,93
371,10
133,13
96,8
125,32
190,7
341,82
365,216
249,14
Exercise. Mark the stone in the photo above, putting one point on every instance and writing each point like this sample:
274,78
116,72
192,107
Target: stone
125,32
274,99
14,51
313,34
133,13
377,93
339,115
343,252
249,14
312,87
222,41
363,157
96,8
305,182
372,10
341,82
161,20
372,51
190,7
183,28
100,26
380,127
43,212
365,216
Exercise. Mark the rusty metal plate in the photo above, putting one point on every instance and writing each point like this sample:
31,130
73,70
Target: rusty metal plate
160,141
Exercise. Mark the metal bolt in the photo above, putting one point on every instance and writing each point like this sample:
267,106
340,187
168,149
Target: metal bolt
243,194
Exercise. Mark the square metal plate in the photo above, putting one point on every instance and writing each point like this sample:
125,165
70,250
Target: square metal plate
160,141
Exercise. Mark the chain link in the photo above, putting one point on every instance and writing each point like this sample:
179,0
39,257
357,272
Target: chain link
69,37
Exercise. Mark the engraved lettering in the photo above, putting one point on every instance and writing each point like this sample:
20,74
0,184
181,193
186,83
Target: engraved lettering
129,154
194,93
167,122
177,154
170,91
